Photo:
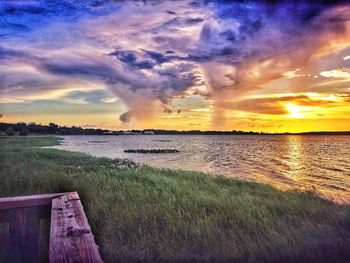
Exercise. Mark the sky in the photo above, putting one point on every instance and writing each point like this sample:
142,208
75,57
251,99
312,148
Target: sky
273,66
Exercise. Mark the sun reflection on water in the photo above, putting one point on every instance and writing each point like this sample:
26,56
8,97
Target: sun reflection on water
293,156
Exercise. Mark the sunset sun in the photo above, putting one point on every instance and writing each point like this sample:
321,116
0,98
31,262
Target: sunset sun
295,111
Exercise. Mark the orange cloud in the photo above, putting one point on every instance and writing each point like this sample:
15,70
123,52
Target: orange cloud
277,105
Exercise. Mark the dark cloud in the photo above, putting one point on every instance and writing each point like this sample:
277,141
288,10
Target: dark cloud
146,59
229,35
130,58
17,16
192,21
64,7
161,84
11,53
200,57
167,110
94,70
258,22
159,58
29,8
171,12
169,81
250,27
176,80
125,117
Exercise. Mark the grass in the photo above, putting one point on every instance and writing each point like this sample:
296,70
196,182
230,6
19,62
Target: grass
157,151
144,214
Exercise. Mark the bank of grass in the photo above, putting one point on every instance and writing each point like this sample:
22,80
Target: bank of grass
155,215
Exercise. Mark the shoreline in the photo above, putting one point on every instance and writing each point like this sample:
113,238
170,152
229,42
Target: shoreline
282,185
149,214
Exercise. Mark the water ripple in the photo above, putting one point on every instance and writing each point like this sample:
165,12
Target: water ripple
320,163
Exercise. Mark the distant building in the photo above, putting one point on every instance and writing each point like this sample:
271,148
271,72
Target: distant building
149,133
131,133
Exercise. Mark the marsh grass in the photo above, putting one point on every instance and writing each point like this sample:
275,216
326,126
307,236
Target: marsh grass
139,213
157,151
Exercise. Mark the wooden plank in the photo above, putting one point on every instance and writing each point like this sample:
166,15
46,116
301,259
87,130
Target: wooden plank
71,239
4,241
23,234
17,234
27,201
30,243
5,216
44,232
44,239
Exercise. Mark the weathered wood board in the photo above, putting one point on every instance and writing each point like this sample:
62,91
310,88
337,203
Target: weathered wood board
27,201
29,223
71,239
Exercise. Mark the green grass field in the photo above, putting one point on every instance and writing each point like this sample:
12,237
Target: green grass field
139,213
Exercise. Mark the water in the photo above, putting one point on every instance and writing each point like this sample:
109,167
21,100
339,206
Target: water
311,163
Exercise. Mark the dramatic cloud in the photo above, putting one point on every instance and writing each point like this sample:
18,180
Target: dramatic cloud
148,54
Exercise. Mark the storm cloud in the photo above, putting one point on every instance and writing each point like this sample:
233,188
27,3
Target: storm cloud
145,53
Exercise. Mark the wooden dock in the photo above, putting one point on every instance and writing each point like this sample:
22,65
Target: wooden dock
46,228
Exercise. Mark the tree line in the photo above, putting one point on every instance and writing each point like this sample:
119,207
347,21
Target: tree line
23,129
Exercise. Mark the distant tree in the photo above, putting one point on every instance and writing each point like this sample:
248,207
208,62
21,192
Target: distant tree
10,131
53,128
23,132
19,126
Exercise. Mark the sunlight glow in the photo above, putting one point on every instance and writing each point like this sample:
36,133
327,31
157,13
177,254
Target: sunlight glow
336,73
294,110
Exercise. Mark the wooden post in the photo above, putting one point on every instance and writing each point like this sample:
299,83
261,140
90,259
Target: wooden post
22,237
71,239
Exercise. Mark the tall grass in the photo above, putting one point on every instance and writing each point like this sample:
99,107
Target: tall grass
139,213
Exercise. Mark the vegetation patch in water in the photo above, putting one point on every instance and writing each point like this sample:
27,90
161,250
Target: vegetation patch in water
162,140
151,151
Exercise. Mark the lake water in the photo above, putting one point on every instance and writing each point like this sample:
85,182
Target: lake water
320,163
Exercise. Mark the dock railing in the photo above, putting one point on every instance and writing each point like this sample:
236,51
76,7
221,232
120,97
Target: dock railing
46,228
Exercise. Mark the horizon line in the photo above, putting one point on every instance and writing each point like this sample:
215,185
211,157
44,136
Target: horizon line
175,130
